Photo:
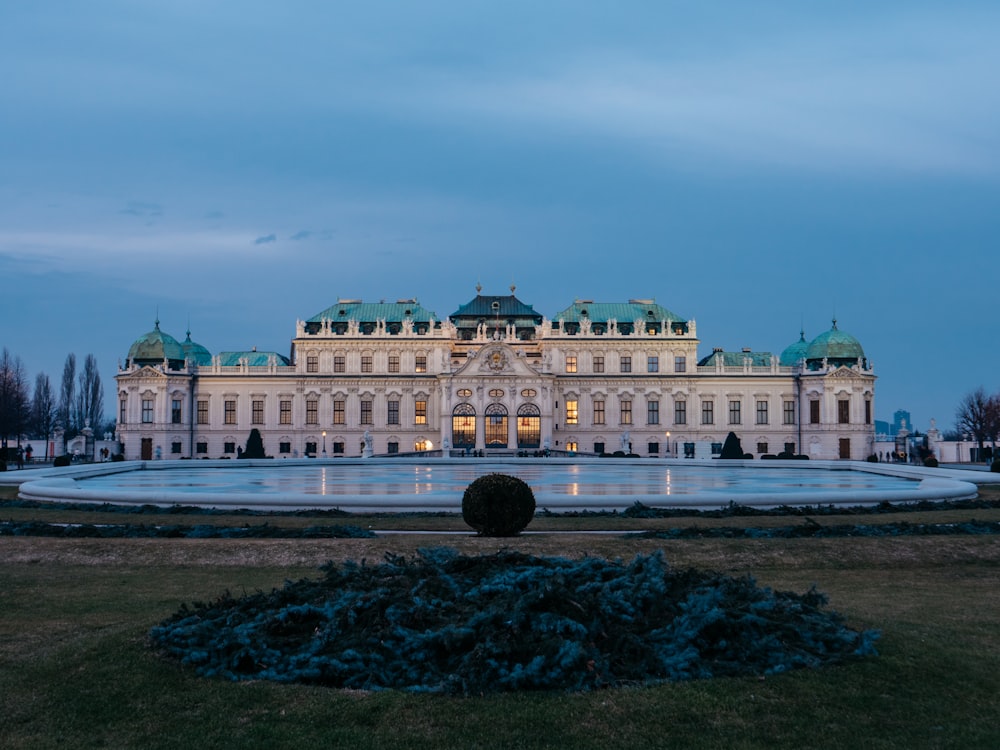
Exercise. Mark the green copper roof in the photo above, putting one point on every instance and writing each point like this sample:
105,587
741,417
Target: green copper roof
196,352
507,307
835,345
254,359
370,312
735,359
623,312
793,353
154,347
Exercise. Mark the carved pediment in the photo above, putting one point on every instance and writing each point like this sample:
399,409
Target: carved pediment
146,372
496,359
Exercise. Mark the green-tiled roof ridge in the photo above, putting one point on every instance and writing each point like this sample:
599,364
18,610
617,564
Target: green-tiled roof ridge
623,312
735,359
370,312
254,359
482,307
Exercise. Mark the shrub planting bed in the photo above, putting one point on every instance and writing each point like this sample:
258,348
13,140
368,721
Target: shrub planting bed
448,623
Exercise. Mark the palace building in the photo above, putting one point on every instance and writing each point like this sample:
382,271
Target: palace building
498,377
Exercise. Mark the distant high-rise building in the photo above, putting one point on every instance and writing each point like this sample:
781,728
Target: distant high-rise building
901,419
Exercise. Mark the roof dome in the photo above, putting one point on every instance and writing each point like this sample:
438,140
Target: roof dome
154,347
793,353
196,352
835,346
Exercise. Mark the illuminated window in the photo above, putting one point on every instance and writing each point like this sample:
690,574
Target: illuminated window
572,411
420,412
571,363
464,392
527,393
571,446
421,363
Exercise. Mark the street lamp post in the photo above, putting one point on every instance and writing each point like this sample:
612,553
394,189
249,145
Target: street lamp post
668,444
324,443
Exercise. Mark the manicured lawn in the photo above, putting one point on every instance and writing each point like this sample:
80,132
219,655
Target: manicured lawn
75,670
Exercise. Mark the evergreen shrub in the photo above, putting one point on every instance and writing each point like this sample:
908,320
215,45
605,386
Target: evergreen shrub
931,462
872,459
63,460
995,466
255,446
498,505
732,447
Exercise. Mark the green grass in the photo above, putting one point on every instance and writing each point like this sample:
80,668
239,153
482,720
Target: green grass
75,670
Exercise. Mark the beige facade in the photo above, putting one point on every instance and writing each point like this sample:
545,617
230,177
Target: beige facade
499,378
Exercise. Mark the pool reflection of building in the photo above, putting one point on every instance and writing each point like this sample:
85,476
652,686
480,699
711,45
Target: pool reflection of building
498,377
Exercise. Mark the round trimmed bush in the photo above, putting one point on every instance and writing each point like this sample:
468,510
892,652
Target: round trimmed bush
64,460
931,462
498,505
995,466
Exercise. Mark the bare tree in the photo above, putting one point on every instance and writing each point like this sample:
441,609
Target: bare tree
67,395
90,398
14,401
43,409
978,415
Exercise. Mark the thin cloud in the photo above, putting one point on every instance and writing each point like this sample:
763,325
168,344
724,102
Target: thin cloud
302,235
140,208
265,239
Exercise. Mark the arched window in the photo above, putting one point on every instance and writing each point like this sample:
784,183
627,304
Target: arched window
529,426
463,426
496,426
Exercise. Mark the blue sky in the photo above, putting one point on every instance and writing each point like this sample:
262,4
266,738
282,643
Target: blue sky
755,166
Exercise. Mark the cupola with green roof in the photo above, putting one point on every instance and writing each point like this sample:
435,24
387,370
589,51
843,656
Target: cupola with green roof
835,347
155,347
795,353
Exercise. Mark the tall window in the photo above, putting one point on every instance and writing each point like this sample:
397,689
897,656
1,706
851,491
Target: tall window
598,411
652,363
257,411
229,411
626,364
312,411
734,412
708,412
366,363
393,363
843,411
123,409
147,411
571,363
419,412
598,363
572,411
339,363
392,412
680,364
175,411
788,412
868,411
814,411
420,363
626,412
762,412
285,411
680,412
203,412
366,412
312,363
652,412
338,412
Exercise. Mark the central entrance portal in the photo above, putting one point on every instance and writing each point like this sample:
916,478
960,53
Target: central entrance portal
496,426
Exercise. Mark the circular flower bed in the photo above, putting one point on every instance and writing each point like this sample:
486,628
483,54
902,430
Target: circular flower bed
444,622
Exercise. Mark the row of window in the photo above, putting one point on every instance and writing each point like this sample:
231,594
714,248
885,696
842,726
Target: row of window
367,363
572,412
625,363
337,447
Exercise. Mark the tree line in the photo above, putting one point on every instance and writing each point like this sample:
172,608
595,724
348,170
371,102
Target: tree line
37,414
978,416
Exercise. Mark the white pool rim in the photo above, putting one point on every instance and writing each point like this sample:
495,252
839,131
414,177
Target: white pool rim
61,485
